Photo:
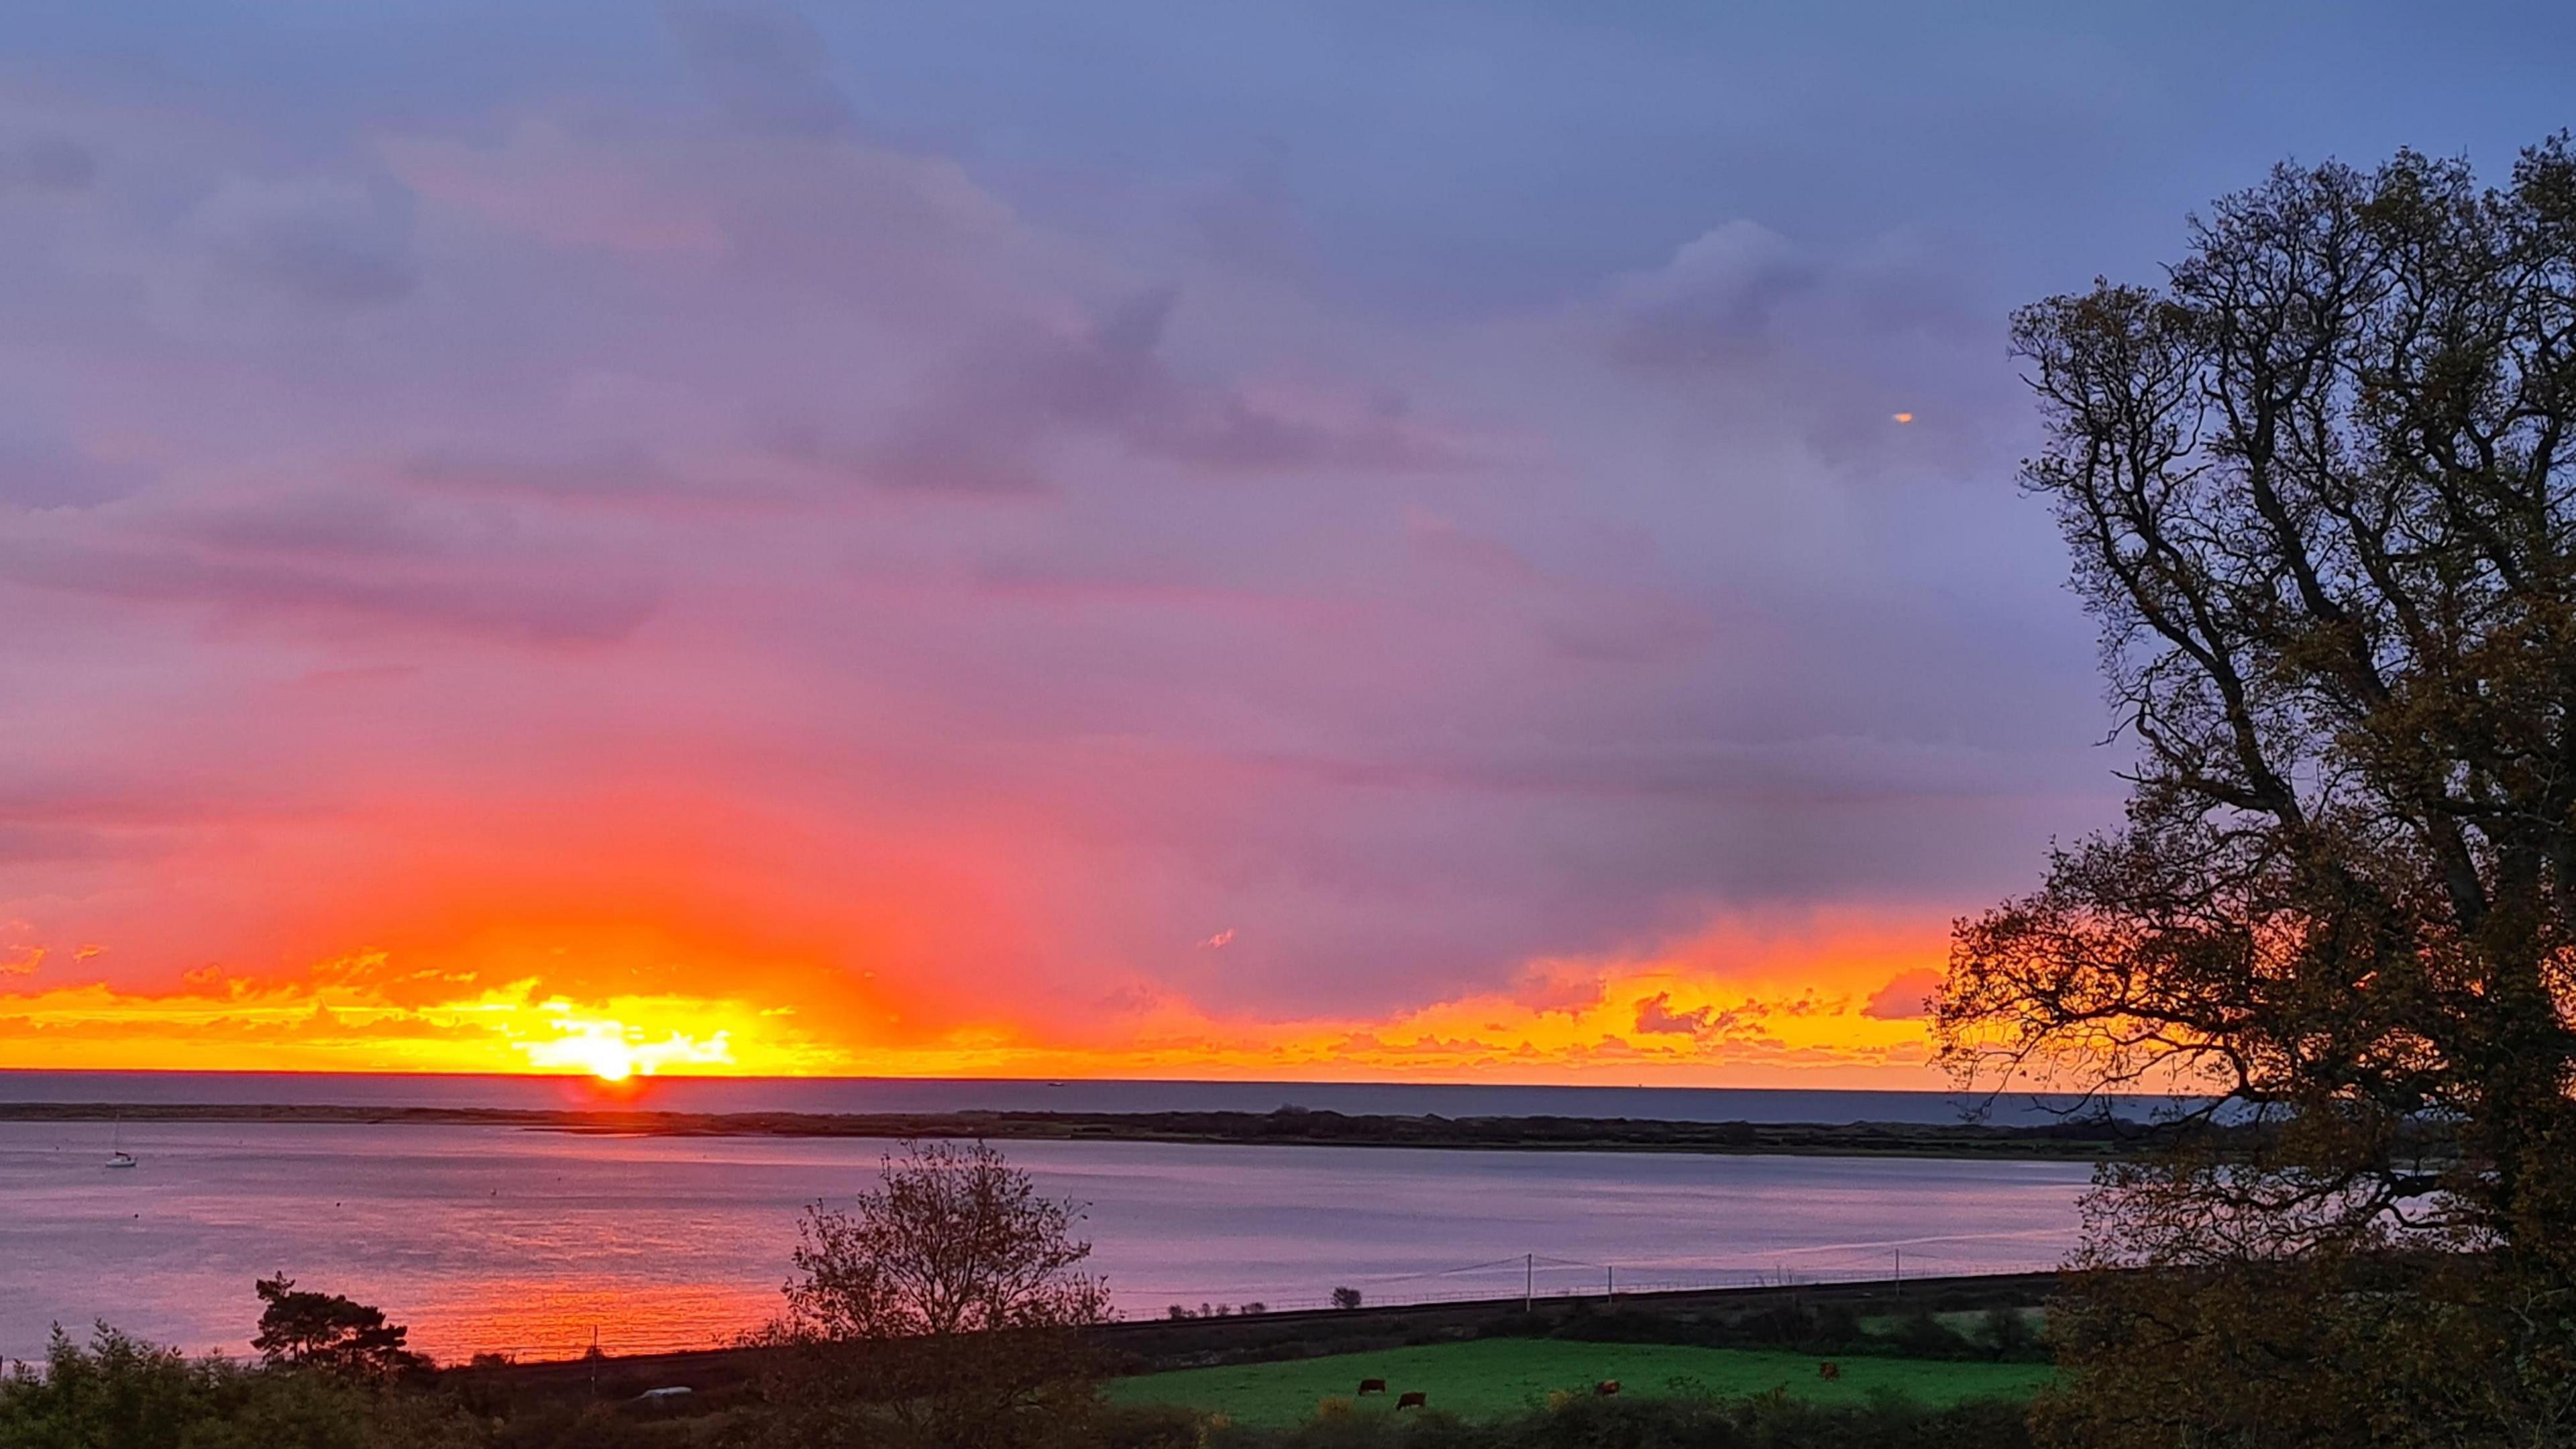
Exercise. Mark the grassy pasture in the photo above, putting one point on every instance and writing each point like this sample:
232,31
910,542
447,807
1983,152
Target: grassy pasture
1488,1378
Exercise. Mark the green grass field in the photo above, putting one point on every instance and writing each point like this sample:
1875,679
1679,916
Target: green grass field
1492,1377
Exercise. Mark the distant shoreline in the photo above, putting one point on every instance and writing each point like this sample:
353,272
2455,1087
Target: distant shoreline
2084,1140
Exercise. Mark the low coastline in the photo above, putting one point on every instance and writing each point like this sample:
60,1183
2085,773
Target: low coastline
2083,1139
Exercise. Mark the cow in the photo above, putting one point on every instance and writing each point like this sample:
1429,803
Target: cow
1372,1386
1606,1389
1829,1370
1412,1401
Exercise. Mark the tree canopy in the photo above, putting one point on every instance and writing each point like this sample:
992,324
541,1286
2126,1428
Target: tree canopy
942,1307
952,1240
2317,489
302,1329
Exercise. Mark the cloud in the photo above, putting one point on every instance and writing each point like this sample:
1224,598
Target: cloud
391,1010
1907,997
330,1024
545,182
995,546
765,66
618,474
329,243
1253,219
314,523
38,472
1717,297
985,429
1656,1017
533,610
45,163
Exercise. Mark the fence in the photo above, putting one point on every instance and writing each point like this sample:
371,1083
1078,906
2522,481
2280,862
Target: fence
1532,1275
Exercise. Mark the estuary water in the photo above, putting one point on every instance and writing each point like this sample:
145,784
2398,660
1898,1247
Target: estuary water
532,1242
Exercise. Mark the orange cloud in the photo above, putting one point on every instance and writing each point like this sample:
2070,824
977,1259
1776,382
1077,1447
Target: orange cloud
1739,1004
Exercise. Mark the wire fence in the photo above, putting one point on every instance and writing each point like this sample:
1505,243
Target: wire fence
1534,1276
1542,1275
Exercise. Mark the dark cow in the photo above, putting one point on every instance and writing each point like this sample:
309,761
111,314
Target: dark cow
1606,1389
1372,1386
1412,1401
1829,1370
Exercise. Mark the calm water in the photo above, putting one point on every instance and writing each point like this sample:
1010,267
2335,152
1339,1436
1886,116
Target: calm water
496,1238
885,1094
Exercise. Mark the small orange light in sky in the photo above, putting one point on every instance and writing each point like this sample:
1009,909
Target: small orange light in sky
1905,417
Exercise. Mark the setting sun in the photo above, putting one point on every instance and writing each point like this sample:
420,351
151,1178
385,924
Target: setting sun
611,1062
612,1050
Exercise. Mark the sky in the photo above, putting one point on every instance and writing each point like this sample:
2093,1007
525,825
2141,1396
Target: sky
1429,541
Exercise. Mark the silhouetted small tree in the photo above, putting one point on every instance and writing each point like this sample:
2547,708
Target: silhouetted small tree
300,1329
945,1306
1346,1298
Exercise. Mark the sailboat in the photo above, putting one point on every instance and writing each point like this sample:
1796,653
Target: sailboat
117,1156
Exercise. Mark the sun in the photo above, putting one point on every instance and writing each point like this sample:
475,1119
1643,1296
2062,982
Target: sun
600,1048
615,1048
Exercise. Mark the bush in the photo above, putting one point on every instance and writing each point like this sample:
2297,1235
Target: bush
123,1393
1921,1334
2008,1332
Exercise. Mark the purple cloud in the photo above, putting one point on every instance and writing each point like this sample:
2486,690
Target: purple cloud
1385,490
764,65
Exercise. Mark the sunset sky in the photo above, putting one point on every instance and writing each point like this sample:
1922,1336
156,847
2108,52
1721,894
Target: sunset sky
1340,540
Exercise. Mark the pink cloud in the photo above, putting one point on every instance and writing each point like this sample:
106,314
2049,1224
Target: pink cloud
1906,997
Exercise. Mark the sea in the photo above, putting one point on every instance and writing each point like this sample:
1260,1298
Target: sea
541,1243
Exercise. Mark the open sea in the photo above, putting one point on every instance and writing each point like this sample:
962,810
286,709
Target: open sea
532,1242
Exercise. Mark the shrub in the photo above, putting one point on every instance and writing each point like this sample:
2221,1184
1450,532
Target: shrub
2008,1332
1921,1334
123,1393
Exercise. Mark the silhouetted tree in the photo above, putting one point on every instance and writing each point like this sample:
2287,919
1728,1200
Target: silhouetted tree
953,1240
1346,1298
2319,490
299,1329
946,1306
